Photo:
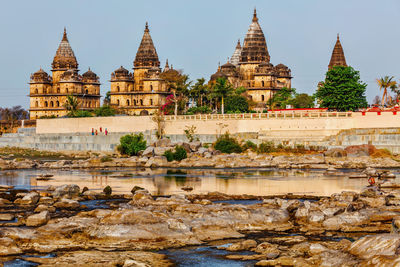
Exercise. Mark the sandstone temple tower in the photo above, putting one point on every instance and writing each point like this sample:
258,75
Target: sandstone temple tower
337,58
250,67
48,93
143,91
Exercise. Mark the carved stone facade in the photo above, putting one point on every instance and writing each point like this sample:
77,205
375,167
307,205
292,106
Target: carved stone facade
337,58
48,93
143,91
250,67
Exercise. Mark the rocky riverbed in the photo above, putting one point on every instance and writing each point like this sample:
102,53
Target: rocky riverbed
355,157
346,229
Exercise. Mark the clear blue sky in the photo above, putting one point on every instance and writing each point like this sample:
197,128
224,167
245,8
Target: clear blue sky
196,35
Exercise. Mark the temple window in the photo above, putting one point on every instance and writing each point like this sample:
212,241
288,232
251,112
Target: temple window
58,90
46,104
151,87
127,102
36,91
151,102
134,102
57,104
66,89
262,84
87,92
44,91
262,96
141,102
248,84
118,102
36,104
89,104
51,104
118,89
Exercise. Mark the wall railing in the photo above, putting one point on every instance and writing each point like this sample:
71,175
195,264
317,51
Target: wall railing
257,116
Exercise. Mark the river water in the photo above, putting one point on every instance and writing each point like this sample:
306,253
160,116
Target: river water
260,182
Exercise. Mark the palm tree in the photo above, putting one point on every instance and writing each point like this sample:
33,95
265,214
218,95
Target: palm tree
71,104
385,83
395,89
199,91
221,89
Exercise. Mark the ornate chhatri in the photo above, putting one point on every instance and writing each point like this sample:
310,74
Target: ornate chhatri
250,67
48,94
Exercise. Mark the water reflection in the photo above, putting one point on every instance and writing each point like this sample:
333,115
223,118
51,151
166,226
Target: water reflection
170,181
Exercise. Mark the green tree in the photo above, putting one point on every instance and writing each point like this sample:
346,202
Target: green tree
282,98
303,101
107,99
71,104
385,83
199,91
236,104
104,111
342,90
221,89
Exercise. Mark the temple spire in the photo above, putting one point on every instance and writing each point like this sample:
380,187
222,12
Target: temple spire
255,19
254,49
166,68
65,57
146,55
337,58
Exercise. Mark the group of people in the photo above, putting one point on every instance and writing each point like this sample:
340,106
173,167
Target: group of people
95,132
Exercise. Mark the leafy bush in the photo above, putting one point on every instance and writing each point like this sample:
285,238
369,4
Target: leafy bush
131,144
106,159
104,111
198,110
249,145
190,131
169,155
266,147
227,144
178,155
79,114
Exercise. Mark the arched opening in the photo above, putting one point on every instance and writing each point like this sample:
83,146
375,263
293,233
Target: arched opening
86,92
36,91
57,103
58,90
262,97
141,102
66,89
151,102
144,113
51,104
44,91
36,104
118,89
127,102
262,84
46,104
118,102
151,87
134,102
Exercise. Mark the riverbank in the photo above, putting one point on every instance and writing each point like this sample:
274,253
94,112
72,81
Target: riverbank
79,226
198,157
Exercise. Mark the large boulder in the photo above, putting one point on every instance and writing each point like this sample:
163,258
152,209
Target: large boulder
8,247
38,219
67,204
67,190
156,161
194,146
360,150
376,245
29,199
165,142
148,152
336,153
244,245
159,151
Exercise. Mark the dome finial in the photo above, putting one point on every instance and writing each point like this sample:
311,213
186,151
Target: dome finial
338,36
146,27
65,35
255,19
